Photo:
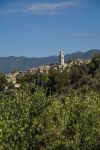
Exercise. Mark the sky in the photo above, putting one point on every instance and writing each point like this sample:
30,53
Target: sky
41,28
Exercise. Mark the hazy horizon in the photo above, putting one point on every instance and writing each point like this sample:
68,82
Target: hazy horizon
50,55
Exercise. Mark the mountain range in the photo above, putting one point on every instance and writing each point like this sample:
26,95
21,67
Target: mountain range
11,63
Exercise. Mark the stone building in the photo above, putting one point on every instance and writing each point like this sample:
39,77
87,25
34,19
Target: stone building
43,69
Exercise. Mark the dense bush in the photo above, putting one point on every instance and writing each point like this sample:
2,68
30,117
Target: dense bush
60,122
3,82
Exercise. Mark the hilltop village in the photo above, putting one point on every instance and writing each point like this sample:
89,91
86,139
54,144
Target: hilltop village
11,77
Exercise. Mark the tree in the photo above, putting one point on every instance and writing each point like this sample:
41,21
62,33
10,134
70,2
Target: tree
96,61
3,82
27,78
56,81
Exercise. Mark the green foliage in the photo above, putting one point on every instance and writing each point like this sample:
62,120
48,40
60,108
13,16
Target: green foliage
57,117
78,77
96,60
34,121
3,82
56,81
27,78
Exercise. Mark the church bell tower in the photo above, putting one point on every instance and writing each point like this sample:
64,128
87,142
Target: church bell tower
61,58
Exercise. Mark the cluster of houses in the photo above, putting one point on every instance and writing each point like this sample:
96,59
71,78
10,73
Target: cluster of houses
45,68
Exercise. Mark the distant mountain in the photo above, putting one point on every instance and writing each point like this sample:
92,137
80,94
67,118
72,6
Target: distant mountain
82,55
9,64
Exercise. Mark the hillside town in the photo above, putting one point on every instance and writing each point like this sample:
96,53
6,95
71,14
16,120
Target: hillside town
61,65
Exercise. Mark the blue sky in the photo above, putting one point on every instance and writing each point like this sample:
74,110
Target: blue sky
38,28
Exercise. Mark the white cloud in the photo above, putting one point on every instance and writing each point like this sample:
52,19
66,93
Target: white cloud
41,8
52,6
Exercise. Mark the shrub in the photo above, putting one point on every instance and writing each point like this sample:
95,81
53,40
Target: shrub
34,121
